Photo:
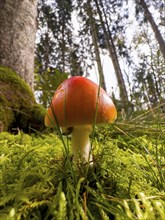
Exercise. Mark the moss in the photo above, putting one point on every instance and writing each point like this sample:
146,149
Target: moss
6,112
33,118
8,75
17,103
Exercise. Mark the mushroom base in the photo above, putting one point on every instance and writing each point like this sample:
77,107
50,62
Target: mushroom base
80,142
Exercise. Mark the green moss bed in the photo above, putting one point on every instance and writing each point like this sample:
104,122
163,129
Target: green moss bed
38,179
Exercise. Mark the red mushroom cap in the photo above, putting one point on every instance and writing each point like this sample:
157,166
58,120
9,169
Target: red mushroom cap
75,102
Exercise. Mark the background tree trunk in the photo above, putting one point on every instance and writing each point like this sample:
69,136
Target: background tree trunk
155,28
112,52
96,47
17,36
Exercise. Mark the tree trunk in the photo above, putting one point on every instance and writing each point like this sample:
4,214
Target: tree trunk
96,47
17,36
112,52
158,35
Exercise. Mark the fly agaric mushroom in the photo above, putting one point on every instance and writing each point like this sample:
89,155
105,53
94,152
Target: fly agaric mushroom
79,103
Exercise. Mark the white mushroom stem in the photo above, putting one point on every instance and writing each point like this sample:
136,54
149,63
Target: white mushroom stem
80,142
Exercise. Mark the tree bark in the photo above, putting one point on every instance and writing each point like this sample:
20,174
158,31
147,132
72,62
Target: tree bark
155,28
96,47
17,36
112,52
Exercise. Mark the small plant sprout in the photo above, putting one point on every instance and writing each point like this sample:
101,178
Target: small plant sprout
77,105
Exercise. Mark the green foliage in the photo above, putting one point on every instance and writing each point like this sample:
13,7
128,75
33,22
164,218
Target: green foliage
47,83
150,208
39,180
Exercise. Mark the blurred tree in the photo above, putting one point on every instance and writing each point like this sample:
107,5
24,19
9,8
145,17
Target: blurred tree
55,45
149,73
93,31
153,24
107,38
56,53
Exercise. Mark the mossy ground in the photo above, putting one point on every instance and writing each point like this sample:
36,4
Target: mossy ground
18,108
39,180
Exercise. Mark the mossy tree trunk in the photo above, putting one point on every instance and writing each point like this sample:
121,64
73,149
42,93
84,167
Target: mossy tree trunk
17,36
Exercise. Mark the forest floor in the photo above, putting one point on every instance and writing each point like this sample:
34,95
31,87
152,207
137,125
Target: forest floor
38,179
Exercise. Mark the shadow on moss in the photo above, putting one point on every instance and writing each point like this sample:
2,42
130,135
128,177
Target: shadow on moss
18,108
